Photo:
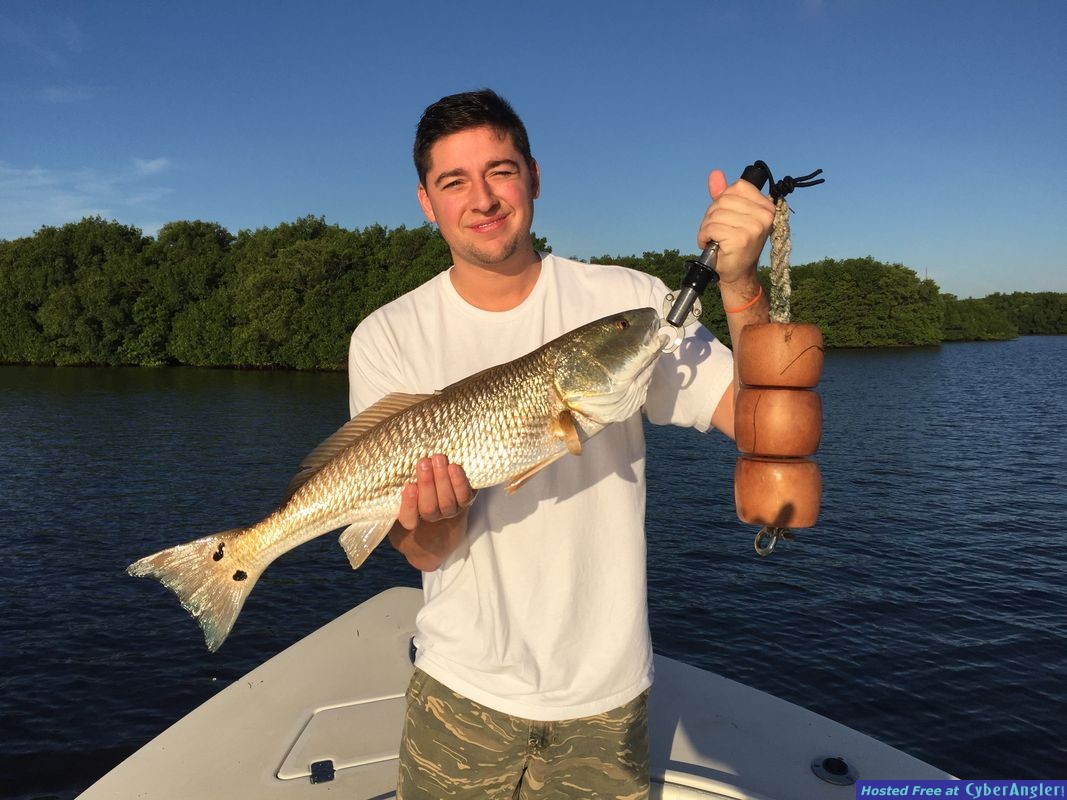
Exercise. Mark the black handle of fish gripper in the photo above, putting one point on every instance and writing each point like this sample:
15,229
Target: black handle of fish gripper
701,272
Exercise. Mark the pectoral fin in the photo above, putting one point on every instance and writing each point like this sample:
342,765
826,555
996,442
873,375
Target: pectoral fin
360,539
563,429
566,430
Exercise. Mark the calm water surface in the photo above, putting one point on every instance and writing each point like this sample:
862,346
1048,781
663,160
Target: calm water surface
928,608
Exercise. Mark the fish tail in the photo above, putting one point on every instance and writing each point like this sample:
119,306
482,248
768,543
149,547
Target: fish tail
210,577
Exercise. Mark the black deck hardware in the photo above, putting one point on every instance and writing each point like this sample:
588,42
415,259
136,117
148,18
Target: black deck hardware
835,770
322,771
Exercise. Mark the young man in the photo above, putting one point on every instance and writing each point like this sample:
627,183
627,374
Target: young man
534,655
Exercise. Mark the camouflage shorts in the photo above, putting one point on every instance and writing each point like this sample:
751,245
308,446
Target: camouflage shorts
455,748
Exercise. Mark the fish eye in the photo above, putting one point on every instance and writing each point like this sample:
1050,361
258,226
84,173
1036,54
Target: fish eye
622,323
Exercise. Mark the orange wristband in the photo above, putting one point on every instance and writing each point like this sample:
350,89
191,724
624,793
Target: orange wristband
747,305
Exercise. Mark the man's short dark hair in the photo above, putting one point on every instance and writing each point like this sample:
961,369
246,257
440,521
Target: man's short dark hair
460,112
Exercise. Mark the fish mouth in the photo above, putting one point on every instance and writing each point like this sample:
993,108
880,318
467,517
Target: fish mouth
668,336
654,343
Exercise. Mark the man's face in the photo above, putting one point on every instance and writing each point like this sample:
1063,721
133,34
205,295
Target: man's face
480,192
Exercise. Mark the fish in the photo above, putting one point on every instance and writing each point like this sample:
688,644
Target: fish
502,425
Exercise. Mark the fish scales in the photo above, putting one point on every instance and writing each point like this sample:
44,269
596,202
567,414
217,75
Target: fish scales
495,426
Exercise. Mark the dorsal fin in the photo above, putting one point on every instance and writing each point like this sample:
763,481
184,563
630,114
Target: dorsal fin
348,433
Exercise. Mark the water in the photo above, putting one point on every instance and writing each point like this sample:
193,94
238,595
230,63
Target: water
927,608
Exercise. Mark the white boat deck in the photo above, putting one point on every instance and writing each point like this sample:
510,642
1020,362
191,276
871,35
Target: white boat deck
338,696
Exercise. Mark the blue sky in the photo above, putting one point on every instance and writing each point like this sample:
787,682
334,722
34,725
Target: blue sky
941,125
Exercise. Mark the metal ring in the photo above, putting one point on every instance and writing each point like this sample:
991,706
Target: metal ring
765,548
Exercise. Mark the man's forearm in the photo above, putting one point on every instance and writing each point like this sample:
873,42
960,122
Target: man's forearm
737,301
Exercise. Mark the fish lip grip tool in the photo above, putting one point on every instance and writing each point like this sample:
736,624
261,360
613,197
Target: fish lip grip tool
701,271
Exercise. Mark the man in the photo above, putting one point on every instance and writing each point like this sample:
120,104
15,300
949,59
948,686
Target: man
534,656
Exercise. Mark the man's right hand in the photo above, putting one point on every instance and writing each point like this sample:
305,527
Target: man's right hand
433,513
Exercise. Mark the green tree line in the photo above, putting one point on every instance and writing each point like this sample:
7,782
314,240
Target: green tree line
99,292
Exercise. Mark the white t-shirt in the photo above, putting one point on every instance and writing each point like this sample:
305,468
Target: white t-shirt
541,612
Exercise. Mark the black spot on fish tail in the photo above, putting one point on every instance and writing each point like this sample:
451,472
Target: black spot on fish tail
217,555
240,575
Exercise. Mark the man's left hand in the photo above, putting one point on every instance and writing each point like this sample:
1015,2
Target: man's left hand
739,219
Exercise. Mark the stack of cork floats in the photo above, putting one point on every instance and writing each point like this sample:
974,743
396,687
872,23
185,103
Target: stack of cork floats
778,424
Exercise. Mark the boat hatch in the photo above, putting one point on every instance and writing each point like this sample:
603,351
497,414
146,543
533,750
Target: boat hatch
350,736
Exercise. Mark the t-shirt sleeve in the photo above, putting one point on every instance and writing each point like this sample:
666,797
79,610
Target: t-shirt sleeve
374,368
689,383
